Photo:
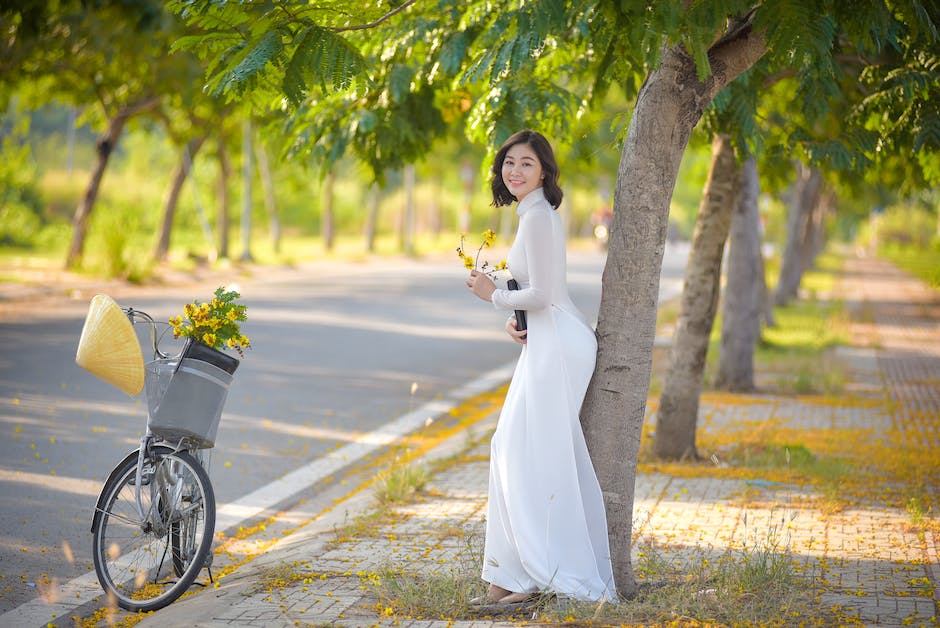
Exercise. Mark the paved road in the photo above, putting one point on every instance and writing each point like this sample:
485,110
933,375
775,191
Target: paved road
339,349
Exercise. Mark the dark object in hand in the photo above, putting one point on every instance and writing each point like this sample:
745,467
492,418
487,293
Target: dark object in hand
520,314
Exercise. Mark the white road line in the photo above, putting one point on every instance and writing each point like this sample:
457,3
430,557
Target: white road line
61,601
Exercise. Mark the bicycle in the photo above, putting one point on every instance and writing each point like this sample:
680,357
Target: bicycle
155,517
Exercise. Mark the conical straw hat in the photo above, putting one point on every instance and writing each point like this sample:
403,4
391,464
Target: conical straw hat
109,348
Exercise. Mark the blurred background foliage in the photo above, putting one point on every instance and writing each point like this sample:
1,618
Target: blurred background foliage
341,144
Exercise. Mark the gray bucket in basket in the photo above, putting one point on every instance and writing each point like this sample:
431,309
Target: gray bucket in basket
186,399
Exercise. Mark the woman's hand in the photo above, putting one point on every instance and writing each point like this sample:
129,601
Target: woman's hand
481,285
518,336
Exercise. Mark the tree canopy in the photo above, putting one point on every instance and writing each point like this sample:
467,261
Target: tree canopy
386,81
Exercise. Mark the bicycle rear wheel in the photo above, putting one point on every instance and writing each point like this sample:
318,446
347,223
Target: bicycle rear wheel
136,560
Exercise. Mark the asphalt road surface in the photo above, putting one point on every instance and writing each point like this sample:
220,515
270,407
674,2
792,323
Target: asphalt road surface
338,349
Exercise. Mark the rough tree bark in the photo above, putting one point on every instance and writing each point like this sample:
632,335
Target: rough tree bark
172,198
669,105
104,147
677,415
744,290
805,196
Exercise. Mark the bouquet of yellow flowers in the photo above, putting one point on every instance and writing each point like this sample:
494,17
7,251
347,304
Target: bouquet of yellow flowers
471,262
216,323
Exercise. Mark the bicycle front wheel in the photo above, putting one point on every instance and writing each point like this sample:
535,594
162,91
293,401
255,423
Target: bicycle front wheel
145,563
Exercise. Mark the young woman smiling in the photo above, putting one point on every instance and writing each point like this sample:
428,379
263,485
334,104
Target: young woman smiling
546,529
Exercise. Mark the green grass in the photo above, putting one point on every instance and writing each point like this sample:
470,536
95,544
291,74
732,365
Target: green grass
793,356
400,482
923,263
756,584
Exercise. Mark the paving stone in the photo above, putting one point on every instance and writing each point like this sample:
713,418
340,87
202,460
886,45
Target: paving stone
869,562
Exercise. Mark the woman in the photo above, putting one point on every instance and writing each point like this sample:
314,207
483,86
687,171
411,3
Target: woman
546,529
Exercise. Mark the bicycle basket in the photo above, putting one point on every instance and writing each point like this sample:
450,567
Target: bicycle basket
185,398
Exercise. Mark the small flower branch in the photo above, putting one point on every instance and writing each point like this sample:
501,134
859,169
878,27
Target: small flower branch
472,262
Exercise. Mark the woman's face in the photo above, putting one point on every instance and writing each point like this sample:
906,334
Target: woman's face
522,170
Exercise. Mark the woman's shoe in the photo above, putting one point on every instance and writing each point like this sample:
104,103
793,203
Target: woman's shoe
516,598
493,595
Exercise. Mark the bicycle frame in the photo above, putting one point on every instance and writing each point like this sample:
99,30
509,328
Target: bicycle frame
147,439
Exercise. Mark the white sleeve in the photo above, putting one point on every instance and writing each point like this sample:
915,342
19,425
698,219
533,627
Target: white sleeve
536,231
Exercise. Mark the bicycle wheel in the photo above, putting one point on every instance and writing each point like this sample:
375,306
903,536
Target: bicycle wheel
184,543
185,533
134,558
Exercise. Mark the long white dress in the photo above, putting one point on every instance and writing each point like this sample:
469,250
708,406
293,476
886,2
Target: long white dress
546,529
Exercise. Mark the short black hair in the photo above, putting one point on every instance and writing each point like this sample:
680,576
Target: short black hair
546,156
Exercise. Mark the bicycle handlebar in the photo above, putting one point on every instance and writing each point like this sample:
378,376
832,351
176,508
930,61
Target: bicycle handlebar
137,315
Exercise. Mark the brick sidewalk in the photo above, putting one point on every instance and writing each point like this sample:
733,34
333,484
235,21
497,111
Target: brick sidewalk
867,565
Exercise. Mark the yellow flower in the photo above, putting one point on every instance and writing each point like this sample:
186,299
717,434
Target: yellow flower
215,323
471,262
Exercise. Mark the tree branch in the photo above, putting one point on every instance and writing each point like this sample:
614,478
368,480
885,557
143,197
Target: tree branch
362,27
733,55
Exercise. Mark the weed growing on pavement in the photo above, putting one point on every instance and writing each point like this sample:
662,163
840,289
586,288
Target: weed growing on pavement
916,511
275,577
400,482
755,584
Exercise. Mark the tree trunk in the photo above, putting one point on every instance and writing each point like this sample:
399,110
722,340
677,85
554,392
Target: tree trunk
104,146
436,210
744,292
766,298
326,220
816,238
225,172
372,217
172,198
408,217
804,199
246,191
463,215
270,200
70,141
677,415
668,105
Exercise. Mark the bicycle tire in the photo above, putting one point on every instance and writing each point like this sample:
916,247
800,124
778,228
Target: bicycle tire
134,560
183,537
183,534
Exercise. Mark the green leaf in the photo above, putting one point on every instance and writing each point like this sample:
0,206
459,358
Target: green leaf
322,58
252,62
